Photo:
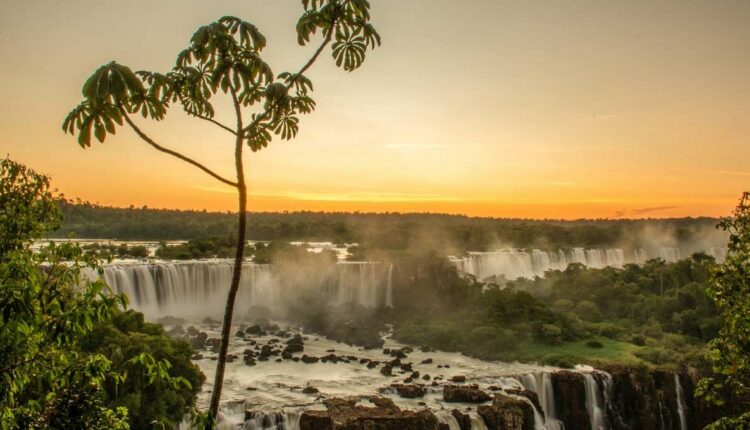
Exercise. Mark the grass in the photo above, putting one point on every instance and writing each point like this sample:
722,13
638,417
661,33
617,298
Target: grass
579,352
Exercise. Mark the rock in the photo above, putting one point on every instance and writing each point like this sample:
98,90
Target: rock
507,413
407,367
387,370
309,360
426,377
197,356
192,331
255,330
532,396
344,414
458,378
176,331
310,390
198,341
426,361
426,348
373,364
570,395
249,361
409,391
214,343
210,321
464,420
465,394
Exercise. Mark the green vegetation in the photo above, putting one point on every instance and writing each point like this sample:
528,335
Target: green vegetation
729,352
70,357
107,251
391,231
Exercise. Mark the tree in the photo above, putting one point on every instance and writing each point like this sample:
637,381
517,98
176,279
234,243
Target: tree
46,304
225,56
729,352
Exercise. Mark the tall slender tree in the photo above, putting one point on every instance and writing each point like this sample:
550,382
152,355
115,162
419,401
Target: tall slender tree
225,56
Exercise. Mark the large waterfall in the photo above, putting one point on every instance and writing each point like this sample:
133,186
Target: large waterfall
512,264
199,288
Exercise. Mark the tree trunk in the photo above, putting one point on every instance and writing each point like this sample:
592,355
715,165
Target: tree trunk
234,287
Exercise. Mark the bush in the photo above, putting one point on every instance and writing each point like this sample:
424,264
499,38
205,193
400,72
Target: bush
562,361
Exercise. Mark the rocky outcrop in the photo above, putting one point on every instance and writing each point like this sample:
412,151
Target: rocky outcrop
532,396
465,394
464,420
570,399
409,391
345,414
508,413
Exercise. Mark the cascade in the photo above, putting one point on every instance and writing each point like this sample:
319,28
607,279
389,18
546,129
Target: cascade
477,423
287,420
680,402
541,384
594,403
447,418
199,288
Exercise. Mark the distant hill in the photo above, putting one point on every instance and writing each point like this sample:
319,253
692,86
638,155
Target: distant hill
380,230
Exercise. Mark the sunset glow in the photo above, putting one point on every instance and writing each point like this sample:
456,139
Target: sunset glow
493,108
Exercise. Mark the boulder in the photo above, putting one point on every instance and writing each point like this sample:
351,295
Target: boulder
464,420
458,378
507,413
345,414
409,391
465,394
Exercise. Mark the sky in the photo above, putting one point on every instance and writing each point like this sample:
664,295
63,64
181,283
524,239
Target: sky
544,109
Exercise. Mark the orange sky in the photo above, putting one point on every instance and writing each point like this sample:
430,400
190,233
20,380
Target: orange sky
559,109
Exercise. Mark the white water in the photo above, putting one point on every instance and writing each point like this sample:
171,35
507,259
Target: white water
512,264
533,382
594,403
276,393
199,288
680,402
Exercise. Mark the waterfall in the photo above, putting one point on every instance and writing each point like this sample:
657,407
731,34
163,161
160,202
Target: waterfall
288,420
199,288
447,418
477,423
541,384
594,403
680,402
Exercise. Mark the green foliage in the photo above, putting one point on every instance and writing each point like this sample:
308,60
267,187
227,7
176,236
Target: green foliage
48,302
389,231
729,352
52,301
27,206
161,382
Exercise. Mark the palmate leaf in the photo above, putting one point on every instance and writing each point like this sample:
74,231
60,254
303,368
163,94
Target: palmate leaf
349,51
258,137
300,82
113,83
249,36
287,126
99,118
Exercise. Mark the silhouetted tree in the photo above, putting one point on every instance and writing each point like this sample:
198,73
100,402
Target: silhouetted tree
226,56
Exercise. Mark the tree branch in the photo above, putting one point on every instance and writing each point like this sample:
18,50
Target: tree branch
304,68
220,125
150,141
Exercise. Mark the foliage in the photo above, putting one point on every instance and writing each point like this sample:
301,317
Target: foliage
48,302
151,359
729,352
391,231
51,301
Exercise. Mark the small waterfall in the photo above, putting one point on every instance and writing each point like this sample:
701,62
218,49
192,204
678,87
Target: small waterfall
541,384
681,407
288,420
477,423
446,417
594,401
389,288
670,255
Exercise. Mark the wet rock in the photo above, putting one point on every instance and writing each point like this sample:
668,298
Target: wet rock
407,367
198,342
249,361
387,351
255,330
214,343
192,331
231,358
310,390
344,414
464,420
507,413
426,348
409,391
373,364
464,394
532,396
570,396
426,361
458,379
176,331
309,360
295,344
426,377
197,356
414,375
210,321
387,370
